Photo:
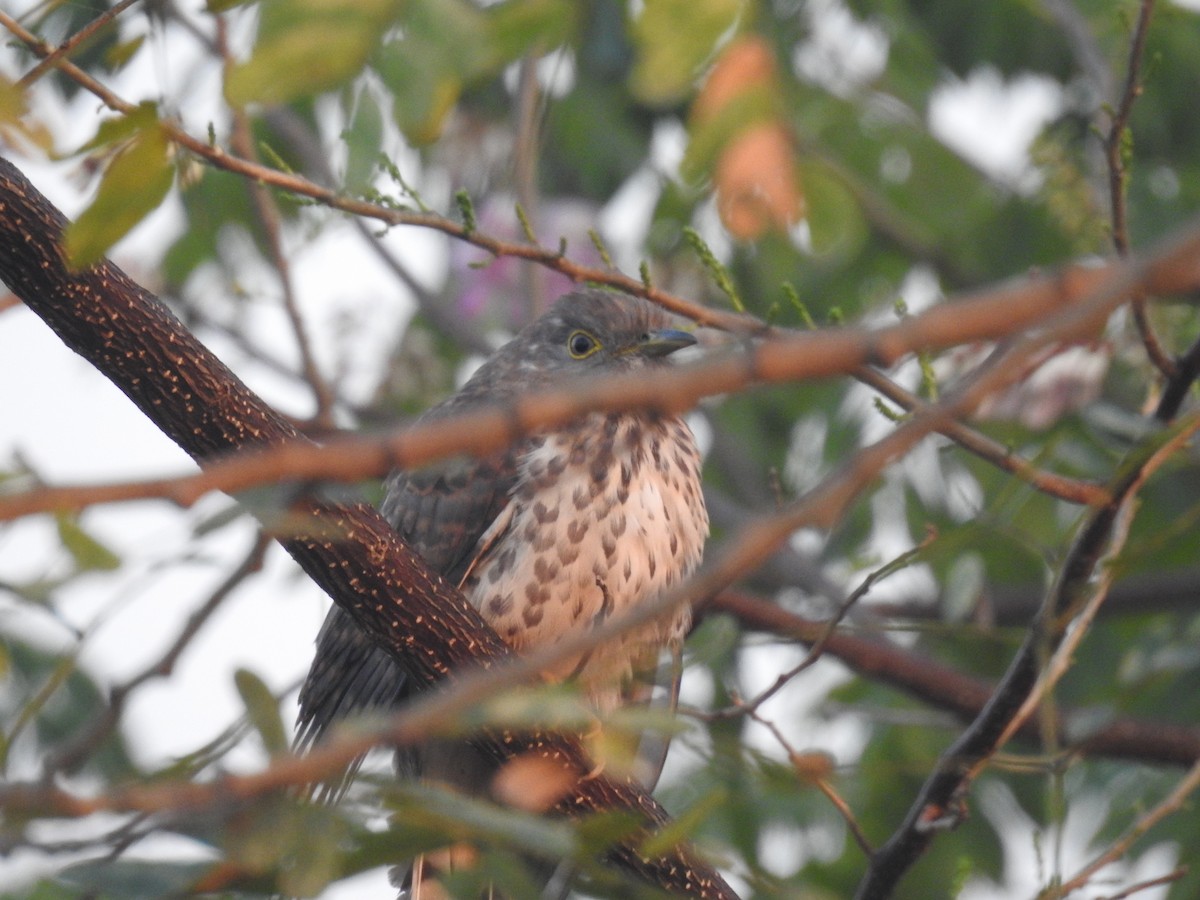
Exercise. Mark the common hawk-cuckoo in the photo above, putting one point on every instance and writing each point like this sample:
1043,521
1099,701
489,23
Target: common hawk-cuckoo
546,538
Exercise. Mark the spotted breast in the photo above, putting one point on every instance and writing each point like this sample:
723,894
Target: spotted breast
603,516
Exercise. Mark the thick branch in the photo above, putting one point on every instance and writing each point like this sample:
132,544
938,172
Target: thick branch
925,679
130,336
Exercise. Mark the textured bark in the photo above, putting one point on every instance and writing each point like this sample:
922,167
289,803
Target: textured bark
348,549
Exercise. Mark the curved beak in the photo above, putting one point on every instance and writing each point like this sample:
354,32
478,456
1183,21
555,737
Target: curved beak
665,341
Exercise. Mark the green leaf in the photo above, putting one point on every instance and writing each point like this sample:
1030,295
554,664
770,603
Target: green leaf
364,138
443,46
87,552
219,6
134,184
308,46
262,709
451,813
834,219
15,122
311,57
515,28
119,128
120,54
134,879
674,38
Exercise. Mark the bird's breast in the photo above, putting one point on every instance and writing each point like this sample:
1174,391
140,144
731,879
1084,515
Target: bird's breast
604,516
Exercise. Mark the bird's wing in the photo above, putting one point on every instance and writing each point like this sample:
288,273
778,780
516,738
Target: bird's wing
441,512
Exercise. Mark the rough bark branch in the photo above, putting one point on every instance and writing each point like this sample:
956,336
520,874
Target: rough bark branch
347,548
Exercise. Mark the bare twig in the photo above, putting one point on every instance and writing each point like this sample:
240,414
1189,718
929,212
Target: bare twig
1070,602
72,754
1172,876
1115,148
817,647
931,682
1169,805
55,58
1073,490
241,139
800,762
1087,295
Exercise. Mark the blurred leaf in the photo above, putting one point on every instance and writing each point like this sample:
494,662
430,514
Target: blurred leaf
517,27
120,54
443,45
427,807
739,141
364,138
674,38
15,119
307,46
263,710
116,129
214,205
88,553
835,220
52,697
133,185
50,890
133,879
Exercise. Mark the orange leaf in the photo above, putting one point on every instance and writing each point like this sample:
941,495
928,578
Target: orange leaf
757,185
532,783
745,65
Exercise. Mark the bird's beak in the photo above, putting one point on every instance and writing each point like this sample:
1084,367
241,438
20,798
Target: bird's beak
663,342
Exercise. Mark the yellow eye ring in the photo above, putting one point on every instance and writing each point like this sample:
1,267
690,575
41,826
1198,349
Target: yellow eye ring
581,345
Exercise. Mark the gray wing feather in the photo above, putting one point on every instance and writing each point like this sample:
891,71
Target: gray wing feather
441,512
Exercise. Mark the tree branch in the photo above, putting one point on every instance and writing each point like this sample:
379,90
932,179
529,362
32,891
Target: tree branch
1116,149
986,315
348,549
925,679
1070,603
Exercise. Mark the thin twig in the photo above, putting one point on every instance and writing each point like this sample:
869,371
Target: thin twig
1170,804
1172,876
933,683
1068,605
817,648
1118,177
63,50
1072,490
72,754
241,139
1062,304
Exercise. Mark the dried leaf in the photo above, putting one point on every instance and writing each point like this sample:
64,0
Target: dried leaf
532,783
758,188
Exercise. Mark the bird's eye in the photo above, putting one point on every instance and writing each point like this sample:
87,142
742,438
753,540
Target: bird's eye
581,345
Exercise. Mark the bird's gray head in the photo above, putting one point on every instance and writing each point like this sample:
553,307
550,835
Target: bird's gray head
585,331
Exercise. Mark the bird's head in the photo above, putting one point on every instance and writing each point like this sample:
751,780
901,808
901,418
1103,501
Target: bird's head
592,330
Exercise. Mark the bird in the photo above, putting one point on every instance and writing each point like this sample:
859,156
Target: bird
547,538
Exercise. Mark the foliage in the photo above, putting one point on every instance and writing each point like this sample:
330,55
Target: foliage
777,156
